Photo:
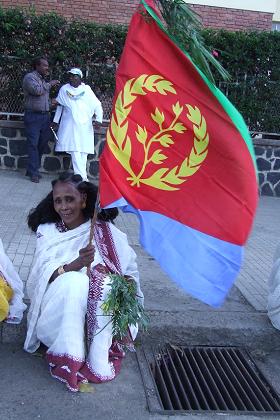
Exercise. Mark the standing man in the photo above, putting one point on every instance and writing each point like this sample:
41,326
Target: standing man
77,104
36,114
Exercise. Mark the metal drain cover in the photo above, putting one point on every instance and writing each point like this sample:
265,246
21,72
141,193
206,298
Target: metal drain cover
205,379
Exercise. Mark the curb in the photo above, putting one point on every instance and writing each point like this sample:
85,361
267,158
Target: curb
251,330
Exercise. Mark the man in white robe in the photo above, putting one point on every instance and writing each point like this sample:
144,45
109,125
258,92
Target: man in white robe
77,104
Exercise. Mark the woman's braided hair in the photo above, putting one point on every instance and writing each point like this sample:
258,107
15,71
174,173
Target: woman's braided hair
45,212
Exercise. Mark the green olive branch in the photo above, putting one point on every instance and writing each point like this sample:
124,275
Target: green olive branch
153,139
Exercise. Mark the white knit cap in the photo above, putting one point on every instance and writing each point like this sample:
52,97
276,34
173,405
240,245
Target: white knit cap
76,71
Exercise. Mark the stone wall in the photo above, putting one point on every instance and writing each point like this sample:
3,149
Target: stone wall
268,162
13,155
13,151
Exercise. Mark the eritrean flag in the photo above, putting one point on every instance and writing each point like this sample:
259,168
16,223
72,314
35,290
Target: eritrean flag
179,156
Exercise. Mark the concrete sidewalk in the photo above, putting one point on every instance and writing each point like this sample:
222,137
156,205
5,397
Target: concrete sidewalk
18,195
252,281
28,392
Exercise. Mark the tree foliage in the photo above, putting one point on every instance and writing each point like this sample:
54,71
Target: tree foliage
253,61
65,44
251,58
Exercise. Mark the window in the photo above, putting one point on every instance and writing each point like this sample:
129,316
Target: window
275,26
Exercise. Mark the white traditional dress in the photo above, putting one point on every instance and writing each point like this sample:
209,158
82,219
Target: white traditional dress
74,115
60,310
11,290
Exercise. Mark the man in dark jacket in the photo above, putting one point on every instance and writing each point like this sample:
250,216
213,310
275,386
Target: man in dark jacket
36,114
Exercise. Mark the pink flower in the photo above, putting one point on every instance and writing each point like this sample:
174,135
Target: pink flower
215,53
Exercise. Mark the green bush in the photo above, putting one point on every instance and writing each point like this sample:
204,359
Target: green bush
252,58
66,44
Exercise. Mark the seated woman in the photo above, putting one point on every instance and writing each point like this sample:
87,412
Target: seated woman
66,305
11,291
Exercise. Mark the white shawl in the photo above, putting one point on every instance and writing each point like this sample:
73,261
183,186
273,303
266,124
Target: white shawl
56,248
81,101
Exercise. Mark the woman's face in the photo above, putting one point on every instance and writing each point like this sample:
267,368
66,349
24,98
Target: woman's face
68,203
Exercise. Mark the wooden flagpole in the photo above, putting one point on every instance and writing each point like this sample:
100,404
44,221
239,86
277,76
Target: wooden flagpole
93,221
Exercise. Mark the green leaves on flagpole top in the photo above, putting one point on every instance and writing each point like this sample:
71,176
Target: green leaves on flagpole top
184,26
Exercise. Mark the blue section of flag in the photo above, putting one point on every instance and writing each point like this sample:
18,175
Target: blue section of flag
202,265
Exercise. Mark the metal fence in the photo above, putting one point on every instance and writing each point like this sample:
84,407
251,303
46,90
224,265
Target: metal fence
258,100
12,71
256,97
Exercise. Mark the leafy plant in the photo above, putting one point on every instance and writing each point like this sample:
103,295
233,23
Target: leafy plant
25,35
123,305
252,59
185,27
254,62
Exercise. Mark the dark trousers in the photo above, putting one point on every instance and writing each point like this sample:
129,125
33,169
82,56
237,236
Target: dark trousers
38,133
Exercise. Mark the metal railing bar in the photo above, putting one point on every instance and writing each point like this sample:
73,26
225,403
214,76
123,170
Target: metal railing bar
219,384
257,384
195,405
178,384
203,384
192,376
210,380
228,384
163,392
243,379
170,385
239,388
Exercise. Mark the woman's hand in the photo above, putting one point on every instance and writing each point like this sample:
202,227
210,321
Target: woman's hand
85,258
86,255
128,278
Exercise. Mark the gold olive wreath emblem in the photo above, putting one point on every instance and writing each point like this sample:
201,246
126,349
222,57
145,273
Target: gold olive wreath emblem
120,144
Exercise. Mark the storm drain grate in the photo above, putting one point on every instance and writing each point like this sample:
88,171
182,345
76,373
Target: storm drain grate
223,379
